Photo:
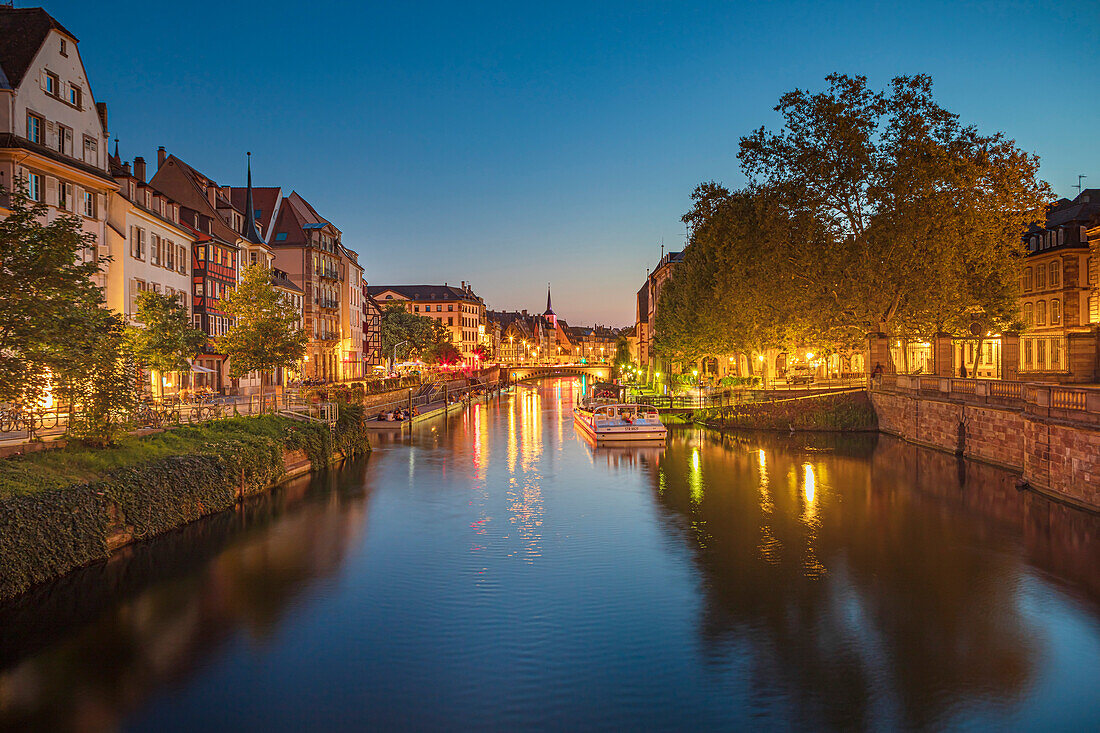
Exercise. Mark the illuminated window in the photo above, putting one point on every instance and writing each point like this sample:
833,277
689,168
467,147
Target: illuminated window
1056,273
1040,277
1055,312
1041,313
1027,278
1029,315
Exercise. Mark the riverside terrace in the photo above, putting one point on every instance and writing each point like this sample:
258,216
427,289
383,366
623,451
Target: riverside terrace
1048,433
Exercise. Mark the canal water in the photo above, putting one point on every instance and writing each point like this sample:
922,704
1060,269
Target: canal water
494,571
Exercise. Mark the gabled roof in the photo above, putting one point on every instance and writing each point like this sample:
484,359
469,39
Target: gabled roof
22,33
263,198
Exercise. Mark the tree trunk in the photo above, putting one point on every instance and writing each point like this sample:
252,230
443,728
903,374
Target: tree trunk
977,356
904,354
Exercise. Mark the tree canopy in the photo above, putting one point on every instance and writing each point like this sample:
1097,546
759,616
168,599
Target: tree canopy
411,334
166,339
48,291
866,211
266,334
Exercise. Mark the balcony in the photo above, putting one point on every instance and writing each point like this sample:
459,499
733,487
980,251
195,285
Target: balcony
327,303
332,273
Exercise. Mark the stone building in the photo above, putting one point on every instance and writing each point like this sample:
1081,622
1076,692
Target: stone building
459,309
1058,304
53,134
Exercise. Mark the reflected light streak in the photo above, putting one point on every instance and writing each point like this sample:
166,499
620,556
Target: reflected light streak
809,483
696,479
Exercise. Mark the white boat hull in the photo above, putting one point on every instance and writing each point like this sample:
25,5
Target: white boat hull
587,423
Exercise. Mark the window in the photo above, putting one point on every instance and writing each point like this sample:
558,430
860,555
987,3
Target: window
1029,315
1056,273
1055,312
450,306
1094,308
36,128
74,95
169,255
1027,278
1056,354
91,151
280,236
1027,354
416,309
1061,236
34,187
1040,277
181,259
53,85
137,243
1040,354
438,308
64,140
65,196
154,250
198,289
64,47
200,254
1041,313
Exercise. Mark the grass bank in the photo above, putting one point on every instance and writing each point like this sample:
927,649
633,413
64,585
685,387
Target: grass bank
65,508
840,412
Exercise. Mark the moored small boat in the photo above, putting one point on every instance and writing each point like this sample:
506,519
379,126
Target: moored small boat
620,422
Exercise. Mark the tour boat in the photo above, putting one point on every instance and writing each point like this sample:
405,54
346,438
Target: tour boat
620,422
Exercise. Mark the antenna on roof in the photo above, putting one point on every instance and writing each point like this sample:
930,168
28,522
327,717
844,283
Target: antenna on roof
1079,187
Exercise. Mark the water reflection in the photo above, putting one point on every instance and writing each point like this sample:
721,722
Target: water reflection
857,588
509,574
145,620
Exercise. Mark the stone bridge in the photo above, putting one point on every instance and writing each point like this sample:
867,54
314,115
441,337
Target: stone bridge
521,373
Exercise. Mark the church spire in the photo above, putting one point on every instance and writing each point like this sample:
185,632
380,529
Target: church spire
549,310
251,233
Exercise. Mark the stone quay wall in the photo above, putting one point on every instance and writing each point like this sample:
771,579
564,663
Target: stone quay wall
1049,434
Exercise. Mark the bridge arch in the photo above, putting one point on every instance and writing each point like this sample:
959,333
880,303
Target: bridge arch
524,373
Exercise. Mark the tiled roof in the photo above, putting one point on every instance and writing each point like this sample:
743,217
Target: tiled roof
22,32
425,292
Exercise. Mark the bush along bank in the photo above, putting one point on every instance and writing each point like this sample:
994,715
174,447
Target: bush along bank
841,412
65,508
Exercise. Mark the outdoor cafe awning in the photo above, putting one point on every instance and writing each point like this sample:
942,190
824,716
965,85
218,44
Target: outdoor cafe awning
202,369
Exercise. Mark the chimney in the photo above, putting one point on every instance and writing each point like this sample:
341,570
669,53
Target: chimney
161,155
126,168
101,108
212,195
139,168
524,312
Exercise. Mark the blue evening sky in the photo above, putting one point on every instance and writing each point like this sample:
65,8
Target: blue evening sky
511,144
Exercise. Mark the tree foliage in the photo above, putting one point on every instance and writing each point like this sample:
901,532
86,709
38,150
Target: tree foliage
101,377
46,289
166,339
266,334
866,211
411,334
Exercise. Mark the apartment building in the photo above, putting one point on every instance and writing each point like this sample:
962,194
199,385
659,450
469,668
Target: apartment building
459,309
53,134
1058,304
351,317
152,248
372,332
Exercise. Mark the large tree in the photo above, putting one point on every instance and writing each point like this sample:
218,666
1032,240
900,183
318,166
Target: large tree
266,334
46,285
917,217
100,375
166,339
407,334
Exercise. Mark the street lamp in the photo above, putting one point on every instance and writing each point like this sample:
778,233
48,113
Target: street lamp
393,362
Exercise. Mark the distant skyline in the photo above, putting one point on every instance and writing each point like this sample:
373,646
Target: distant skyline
509,144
